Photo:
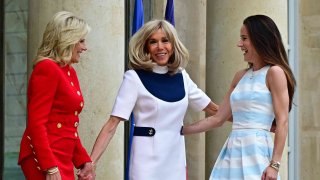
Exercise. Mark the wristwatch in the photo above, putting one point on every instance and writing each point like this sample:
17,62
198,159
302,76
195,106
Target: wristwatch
275,165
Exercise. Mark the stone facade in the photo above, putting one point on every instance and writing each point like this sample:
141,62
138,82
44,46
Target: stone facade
309,84
210,33
16,27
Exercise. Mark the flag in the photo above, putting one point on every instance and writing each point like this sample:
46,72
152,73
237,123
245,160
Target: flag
137,23
138,16
169,15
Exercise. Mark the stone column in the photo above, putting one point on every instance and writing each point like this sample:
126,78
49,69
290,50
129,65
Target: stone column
309,84
224,58
191,28
159,8
100,69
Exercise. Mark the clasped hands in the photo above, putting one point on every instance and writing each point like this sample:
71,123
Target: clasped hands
87,172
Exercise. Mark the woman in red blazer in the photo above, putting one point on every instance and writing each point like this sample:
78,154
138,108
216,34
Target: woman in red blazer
50,146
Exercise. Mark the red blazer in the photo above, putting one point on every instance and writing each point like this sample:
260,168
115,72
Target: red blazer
54,103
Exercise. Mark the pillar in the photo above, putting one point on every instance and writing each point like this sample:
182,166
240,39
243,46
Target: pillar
191,22
309,84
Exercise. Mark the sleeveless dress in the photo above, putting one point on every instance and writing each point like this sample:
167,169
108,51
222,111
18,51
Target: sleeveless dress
248,149
160,101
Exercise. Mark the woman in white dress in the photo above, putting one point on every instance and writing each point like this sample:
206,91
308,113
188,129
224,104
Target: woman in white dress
158,91
258,95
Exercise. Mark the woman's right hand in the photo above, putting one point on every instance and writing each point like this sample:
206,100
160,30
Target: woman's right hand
55,176
87,172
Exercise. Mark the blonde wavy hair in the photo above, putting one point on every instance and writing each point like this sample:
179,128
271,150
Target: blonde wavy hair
62,33
139,57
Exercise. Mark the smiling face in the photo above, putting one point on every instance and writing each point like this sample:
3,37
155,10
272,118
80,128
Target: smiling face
77,50
159,48
249,52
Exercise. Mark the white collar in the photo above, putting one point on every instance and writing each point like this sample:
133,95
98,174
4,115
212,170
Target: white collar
160,69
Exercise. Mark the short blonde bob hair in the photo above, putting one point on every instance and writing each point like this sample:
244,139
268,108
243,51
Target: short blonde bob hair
139,57
62,33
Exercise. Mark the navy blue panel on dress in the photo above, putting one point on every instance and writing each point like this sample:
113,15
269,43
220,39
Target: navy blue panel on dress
169,88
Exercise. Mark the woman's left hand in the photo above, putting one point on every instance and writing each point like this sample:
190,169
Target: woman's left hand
269,174
87,172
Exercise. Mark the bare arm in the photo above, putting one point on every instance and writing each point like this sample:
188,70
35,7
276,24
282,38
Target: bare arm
223,113
277,83
104,137
212,109
278,86
209,122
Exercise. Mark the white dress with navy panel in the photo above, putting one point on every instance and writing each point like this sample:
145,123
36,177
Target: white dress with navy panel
248,149
160,101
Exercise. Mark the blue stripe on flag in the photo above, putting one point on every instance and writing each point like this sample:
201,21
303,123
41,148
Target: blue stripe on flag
169,16
138,16
129,146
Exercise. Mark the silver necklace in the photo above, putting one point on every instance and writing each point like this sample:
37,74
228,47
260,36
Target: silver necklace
252,74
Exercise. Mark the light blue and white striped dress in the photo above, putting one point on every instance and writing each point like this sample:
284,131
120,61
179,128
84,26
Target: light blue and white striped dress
248,149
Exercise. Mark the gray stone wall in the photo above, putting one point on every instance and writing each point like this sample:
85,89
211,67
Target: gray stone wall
99,96
16,20
309,85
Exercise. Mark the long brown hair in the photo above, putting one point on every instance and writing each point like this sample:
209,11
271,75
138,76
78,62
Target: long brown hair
266,38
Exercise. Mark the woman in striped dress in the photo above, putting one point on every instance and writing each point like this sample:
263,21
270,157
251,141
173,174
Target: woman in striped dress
257,96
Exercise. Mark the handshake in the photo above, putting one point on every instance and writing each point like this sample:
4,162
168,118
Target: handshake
87,172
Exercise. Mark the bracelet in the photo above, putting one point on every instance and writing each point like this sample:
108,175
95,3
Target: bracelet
275,165
52,170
